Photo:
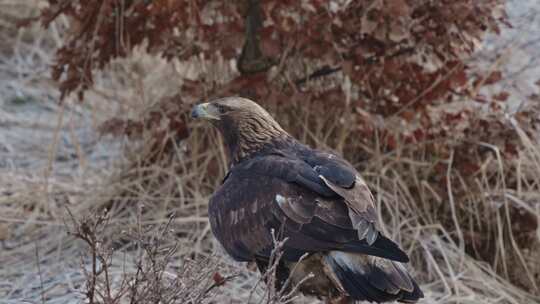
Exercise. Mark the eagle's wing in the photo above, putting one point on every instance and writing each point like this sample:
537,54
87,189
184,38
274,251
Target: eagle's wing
270,193
343,179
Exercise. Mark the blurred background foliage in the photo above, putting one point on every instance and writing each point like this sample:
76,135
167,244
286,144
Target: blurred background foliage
450,151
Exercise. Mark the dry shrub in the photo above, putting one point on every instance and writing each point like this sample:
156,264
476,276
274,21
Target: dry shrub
156,278
393,59
461,195
155,275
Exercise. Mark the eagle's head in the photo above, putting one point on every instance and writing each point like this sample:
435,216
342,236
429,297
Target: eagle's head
246,127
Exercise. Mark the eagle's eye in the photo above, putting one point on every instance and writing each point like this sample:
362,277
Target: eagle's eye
221,108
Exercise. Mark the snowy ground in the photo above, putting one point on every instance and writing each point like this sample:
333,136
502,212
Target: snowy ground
519,50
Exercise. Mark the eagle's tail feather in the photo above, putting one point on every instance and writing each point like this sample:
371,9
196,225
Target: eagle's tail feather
414,296
373,279
383,247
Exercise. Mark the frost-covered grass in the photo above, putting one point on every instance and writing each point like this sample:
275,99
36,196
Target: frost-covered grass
54,162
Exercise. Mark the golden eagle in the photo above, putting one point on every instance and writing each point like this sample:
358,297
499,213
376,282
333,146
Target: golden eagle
314,199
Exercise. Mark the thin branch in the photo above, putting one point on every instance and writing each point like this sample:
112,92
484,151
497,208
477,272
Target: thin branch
42,290
324,71
328,70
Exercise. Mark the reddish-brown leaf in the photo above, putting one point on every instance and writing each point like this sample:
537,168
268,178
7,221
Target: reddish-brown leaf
219,280
502,96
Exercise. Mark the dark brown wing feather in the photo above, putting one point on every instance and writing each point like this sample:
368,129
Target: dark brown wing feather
263,195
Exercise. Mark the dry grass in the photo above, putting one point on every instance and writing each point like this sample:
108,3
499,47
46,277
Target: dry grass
149,223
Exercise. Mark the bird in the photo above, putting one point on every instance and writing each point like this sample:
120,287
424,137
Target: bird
314,200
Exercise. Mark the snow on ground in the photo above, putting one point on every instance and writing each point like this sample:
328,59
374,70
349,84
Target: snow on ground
519,47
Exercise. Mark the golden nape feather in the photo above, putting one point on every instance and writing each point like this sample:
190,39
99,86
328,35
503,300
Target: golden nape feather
315,199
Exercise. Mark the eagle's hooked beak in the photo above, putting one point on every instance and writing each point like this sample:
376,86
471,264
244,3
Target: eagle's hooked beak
205,111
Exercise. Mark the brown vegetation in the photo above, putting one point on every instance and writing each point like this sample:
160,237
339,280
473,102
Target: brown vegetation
386,83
